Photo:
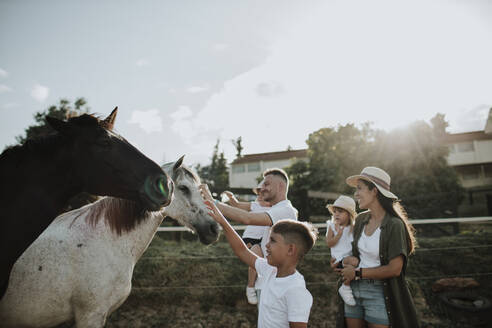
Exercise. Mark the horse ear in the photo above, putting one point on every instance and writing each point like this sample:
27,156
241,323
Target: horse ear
58,125
109,121
178,163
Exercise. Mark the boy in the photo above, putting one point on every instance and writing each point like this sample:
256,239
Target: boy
284,301
274,189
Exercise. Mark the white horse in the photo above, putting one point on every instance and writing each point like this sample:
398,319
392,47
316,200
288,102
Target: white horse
80,269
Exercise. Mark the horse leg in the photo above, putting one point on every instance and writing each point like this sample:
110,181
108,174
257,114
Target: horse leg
87,319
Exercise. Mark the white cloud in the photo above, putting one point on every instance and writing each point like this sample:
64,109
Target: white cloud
148,120
377,66
3,73
5,88
142,62
183,123
197,89
40,92
182,113
172,90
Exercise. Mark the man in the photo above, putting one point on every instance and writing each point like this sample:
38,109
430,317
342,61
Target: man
274,188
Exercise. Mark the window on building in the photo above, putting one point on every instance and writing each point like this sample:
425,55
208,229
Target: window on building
465,147
487,169
238,168
253,167
451,149
470,172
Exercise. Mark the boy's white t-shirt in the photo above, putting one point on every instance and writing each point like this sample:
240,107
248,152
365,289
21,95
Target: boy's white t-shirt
280,211
254,231
282,300
344,246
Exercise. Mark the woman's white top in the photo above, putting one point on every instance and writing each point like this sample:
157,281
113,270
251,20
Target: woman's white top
344,246
369,249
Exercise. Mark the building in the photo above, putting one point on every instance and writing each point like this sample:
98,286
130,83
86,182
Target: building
246,170
470,153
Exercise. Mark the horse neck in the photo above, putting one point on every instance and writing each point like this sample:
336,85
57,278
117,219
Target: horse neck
138,239
41,173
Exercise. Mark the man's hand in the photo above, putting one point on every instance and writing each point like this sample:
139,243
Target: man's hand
232,199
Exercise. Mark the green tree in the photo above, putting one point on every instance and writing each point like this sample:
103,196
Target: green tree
216,174
414,157
334,154
237,144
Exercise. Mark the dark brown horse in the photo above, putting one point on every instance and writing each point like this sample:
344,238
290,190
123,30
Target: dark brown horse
85,155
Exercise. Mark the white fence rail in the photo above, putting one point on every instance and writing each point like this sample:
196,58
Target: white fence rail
323,225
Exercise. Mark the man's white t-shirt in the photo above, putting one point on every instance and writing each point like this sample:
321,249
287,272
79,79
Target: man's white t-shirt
280,211
254,231
282,300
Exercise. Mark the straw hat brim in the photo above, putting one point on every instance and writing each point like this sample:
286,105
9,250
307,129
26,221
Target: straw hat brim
351,211
352,181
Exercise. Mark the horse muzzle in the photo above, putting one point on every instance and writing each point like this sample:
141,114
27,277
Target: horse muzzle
157,192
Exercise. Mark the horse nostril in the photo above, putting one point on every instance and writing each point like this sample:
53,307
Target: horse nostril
214,228
162,187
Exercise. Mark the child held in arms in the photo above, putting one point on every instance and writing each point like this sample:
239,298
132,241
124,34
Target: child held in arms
284,299
339,237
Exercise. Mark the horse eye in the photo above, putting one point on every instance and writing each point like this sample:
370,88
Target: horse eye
184,189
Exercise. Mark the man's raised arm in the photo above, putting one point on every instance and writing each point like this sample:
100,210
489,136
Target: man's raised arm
244,217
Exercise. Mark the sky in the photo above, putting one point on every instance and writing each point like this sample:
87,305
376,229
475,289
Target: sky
185,74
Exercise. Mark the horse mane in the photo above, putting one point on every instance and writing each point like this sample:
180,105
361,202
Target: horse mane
125,215
43,144
32,148
120,214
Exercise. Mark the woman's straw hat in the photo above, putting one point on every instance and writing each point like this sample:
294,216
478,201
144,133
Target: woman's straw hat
345,202
379,177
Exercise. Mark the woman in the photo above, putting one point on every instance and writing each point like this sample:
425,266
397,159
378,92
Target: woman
383,240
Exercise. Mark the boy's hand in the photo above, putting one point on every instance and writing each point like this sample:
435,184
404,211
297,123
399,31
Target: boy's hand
206,192
214,212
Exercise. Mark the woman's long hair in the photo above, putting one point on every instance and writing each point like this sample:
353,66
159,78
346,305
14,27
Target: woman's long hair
394,208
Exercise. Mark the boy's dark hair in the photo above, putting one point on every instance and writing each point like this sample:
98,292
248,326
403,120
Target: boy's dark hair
278,172
303,234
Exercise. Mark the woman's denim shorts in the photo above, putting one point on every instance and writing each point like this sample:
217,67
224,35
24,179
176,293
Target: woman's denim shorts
370,305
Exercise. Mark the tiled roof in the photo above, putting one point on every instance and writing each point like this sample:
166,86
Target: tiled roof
273,156
466,136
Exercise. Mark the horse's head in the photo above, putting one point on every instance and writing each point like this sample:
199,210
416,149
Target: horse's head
187,206
105,164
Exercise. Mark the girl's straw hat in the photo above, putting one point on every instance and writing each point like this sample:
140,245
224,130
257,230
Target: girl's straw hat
380,178
345,202
257,189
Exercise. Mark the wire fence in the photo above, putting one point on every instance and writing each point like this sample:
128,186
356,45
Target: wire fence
315,255
323,225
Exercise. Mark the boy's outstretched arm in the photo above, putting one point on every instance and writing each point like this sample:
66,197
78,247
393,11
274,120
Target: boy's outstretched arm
237,244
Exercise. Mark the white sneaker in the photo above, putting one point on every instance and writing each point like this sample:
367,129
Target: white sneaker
346,293
251,295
